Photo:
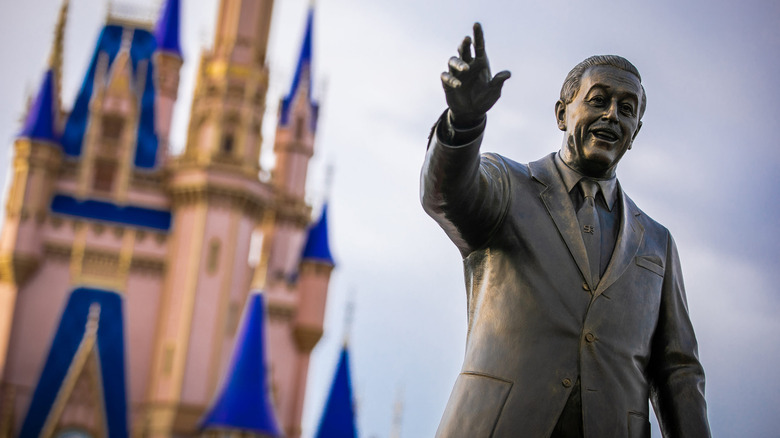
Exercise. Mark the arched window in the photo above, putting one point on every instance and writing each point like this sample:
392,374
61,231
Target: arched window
227,144
103,175
299,125
212,260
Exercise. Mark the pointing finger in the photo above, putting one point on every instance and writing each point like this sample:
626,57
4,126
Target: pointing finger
458,64
464,50
449,81
479,41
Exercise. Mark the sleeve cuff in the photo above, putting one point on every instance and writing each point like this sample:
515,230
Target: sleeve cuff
453,136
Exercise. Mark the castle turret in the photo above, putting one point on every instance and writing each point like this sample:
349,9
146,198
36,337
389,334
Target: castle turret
338,416
313,278
294,144
293,147
168,61
37,159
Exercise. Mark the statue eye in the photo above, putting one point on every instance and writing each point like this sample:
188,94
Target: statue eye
627,109
597,100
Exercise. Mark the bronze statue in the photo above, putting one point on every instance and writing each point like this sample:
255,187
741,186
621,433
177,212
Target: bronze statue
577,312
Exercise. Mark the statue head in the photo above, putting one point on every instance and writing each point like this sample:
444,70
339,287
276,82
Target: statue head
600,110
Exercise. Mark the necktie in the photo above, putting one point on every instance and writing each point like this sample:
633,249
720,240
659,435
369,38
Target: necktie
589,226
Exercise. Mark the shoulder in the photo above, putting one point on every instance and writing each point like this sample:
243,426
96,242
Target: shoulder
509,166
653,229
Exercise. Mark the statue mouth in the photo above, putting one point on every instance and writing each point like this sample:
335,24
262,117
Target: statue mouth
605,134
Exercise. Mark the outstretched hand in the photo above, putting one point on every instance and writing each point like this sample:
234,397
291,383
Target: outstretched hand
469,87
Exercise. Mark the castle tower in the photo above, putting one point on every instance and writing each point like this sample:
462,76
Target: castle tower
229,102
217,202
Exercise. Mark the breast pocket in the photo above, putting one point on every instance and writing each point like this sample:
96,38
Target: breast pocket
651,263
474,407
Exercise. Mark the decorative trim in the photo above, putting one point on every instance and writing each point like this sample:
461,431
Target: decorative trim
279,310
150,265
250,204
315,267
292,210
17,268
105,211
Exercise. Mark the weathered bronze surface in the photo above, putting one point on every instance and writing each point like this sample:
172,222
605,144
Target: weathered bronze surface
555,348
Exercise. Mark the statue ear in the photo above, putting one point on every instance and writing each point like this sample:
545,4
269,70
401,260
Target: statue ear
560,114
633,137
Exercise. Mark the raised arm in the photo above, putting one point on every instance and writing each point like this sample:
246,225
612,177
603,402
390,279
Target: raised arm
465,195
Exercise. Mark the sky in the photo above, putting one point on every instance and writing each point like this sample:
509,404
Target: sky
704,164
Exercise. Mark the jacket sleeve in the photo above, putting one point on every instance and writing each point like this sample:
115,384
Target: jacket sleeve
676,375
466,194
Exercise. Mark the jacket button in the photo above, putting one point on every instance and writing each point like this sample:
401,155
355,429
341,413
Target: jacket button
566,383
590,337
585,286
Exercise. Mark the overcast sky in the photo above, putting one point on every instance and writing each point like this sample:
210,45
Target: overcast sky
705,165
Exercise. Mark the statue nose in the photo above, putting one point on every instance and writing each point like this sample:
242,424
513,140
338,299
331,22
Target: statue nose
610,112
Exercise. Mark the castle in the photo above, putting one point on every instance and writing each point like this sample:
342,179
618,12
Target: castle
125,271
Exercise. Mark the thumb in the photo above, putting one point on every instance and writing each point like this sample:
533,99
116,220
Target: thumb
499,78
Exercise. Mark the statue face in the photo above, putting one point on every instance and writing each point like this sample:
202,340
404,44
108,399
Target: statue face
601,122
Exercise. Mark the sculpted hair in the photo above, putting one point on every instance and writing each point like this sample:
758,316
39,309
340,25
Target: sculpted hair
572,82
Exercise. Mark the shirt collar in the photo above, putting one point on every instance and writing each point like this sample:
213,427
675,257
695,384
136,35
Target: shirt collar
571,177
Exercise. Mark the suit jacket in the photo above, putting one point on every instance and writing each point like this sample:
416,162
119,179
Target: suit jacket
535,324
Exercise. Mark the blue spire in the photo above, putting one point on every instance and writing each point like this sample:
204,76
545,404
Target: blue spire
39,124
302,71
167,30
317,247
338,417
244,400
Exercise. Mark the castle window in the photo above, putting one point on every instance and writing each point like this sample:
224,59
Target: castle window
234,314
103,176
112,127
299,121
227,144
212,262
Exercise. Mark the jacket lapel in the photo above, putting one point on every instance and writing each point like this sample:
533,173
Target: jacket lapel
628,241
558,204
